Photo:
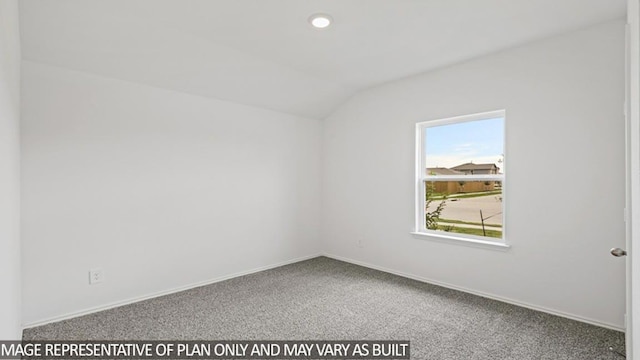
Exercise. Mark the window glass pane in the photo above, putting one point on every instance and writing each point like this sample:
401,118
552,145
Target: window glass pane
464,207
465,148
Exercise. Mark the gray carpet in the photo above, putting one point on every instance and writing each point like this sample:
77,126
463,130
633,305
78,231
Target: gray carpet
325,299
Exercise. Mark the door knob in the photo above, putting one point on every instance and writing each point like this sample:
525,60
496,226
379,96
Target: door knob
617,252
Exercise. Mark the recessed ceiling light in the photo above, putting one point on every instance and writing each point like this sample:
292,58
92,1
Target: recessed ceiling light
320,21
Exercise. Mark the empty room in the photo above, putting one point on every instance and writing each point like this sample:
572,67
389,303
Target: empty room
326,179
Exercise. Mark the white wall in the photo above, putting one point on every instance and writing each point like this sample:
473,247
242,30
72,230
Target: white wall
565,159
10,327
160,189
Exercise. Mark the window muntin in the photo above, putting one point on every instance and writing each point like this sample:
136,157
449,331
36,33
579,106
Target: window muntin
460,177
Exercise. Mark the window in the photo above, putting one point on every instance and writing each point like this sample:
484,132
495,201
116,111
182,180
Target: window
460,178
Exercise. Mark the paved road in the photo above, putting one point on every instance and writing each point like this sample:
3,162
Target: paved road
469,209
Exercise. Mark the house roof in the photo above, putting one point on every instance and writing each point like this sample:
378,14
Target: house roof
472,166
442,171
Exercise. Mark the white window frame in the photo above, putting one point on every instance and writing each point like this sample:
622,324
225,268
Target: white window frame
421,179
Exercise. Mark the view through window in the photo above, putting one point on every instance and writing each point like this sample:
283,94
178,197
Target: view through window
463,175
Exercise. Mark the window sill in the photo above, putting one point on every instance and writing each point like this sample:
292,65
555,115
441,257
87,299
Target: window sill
493,245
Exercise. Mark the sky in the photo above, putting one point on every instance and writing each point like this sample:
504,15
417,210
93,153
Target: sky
480,142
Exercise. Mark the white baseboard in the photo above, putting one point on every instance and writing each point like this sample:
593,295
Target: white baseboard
340,258
161,293
480,293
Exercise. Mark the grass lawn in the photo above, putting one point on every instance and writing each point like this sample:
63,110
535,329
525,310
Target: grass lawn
467,222
477,232
466,195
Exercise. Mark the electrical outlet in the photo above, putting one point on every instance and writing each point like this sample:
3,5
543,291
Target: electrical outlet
96,276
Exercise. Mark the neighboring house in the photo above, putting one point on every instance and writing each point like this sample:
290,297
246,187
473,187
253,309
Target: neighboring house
443,171
477,169
455,187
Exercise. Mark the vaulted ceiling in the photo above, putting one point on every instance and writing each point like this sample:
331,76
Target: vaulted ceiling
264,52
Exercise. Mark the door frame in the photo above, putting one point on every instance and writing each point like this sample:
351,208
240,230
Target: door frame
632,210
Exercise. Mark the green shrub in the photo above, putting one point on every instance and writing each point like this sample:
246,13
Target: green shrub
432,217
